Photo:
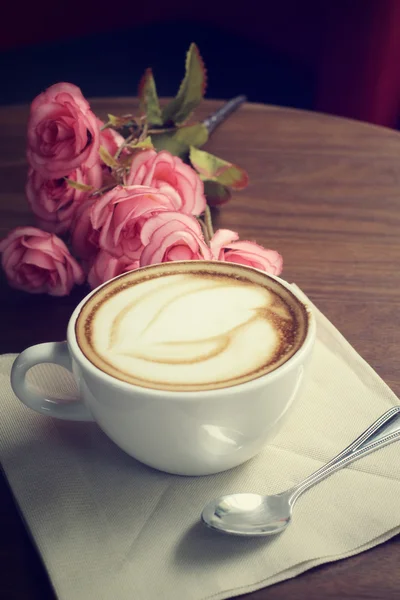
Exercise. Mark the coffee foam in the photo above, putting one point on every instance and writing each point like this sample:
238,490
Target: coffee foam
190,328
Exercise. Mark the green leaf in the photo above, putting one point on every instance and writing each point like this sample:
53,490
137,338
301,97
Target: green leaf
180,140
148,99
219,170
143,144
117,122
134,148
107,158
191,90
216,193
82,187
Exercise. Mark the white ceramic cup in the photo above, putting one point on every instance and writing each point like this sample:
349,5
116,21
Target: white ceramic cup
186,433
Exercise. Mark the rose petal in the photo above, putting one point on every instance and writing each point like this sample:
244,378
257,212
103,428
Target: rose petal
220,239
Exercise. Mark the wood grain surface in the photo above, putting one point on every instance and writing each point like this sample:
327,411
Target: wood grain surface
323,191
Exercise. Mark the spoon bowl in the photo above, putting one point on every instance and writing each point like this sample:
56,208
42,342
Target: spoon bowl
248,514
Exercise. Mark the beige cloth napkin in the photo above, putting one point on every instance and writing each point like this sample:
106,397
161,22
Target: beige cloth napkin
108,527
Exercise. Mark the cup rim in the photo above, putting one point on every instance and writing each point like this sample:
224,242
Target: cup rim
252,384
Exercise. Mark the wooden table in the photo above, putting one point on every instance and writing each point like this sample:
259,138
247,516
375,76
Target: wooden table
325,192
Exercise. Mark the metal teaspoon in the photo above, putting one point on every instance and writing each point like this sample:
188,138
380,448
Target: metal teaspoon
256,515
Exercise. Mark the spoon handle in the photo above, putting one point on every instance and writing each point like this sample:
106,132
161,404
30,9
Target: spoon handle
384,431
220,115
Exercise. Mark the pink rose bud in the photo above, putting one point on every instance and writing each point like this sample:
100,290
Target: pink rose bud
63,132
110,139
120,214
171,236
39,262
54,201
225,246
170,175
107,267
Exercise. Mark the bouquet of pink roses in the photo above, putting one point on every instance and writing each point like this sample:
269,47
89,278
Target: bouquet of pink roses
106,203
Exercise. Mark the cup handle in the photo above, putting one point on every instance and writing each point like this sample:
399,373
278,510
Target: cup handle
52,352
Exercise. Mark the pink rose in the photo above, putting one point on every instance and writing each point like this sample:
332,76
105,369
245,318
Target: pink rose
109,138
170,175
225,246
54,201
39,262
63,133
84,238
171,236
106,267
120,214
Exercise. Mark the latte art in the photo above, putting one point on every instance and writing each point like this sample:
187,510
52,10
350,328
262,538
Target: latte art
186,329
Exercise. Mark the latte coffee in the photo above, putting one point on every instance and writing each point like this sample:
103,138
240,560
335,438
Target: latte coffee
191,326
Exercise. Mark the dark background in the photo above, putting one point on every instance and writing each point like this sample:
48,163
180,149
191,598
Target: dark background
336,56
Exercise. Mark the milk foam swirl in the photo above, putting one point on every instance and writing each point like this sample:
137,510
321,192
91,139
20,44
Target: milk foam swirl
188,331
